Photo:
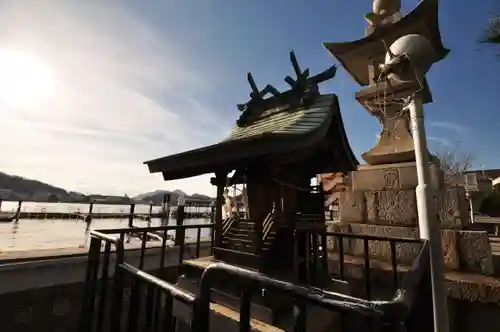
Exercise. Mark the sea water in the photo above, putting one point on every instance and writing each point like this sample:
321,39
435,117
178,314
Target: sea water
40,234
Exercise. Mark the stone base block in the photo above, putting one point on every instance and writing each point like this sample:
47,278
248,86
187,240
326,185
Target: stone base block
380,250
453,208
467,251
475,254
389,207
400,176
399,207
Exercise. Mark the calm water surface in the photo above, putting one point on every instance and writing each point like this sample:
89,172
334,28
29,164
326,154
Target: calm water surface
28,234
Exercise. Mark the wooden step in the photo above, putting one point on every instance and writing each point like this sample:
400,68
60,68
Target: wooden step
237,257
221,318
239,235
243,225
239,247
238,239
227,299
235,243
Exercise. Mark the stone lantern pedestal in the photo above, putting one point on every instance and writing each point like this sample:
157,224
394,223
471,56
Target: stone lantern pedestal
380,198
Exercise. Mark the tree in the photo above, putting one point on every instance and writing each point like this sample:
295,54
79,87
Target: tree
491,35
490,205
454,163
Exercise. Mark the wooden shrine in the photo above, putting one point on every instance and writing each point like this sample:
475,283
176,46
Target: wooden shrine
278,144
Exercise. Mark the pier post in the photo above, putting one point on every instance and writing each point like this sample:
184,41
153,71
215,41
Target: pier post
165,209
18,212
150,211
88,219
180,233
131,215
167,206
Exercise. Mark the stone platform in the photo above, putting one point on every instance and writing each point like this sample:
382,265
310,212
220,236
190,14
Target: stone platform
42,291
380,201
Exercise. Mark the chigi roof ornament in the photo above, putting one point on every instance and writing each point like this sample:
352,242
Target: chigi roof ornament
303,92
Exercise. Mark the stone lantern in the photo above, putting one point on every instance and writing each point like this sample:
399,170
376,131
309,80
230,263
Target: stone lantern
364,58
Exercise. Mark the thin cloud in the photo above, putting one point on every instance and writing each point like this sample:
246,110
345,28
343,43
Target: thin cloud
115,79
449,125
440,141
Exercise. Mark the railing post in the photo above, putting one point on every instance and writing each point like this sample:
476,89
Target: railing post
101,310
245,305
300,316
118,285
88,300
201,309
421,315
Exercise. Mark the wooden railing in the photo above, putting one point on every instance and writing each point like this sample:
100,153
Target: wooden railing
227,223
267,225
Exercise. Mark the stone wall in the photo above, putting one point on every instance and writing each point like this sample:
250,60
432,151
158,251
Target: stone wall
381,201
46,295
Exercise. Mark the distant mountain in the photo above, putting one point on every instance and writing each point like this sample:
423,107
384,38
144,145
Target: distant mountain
156,197
13,187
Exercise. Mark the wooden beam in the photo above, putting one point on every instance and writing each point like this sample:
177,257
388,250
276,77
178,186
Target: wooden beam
220,180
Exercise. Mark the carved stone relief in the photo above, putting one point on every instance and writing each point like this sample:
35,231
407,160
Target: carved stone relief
391,179
352,206
61,308
453,209
475,252
126,294
371,206
24,316
396,207
450,251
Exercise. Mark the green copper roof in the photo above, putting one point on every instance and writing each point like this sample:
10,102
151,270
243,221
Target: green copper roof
316,130
286,121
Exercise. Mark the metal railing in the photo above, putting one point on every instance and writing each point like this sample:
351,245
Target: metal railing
317,257
151,298
96,303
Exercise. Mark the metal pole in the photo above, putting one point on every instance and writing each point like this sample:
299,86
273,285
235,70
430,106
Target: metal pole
471,207
472,217
427,216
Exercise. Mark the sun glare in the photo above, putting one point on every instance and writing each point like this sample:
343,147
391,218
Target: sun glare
24,80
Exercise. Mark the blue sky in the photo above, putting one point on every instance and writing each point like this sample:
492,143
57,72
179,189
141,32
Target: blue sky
118,83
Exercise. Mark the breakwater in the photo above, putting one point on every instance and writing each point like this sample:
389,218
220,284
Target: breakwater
5,216
87,212
45,226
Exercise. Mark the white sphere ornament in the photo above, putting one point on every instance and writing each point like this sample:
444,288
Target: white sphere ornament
418,49
386,7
